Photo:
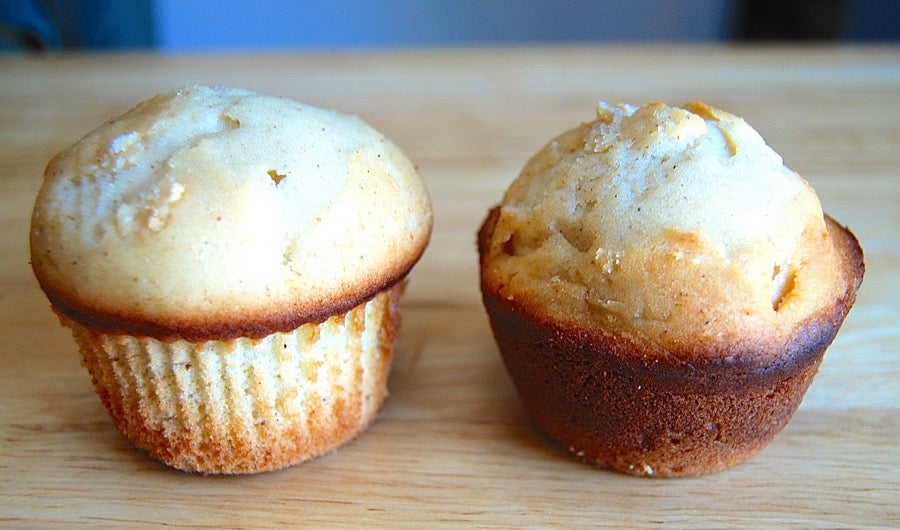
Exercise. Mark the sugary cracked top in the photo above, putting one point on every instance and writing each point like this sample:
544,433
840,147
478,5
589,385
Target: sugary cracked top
678,225
210,206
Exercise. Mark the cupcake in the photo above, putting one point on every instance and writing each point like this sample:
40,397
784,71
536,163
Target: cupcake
662,288
230,265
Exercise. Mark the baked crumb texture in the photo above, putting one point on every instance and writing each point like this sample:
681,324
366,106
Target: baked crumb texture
679,224
216,212
662,288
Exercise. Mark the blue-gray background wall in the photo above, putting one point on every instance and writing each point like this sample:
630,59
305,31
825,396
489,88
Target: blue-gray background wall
216,25
367,23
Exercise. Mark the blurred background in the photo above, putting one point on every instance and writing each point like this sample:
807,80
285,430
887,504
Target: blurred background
190,26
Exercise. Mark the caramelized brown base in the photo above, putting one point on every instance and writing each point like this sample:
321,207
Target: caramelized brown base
617,402
644,419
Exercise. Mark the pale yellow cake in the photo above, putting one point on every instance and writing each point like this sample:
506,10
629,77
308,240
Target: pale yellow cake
658,245
230,264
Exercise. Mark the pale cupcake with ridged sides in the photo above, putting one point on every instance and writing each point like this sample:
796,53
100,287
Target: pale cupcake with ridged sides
230,265
662,288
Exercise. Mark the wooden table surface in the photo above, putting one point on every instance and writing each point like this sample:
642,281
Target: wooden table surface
453,446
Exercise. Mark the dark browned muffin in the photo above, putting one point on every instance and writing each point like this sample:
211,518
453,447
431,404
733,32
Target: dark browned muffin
663,289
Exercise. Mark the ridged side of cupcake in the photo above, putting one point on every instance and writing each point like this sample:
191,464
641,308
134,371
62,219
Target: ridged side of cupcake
230,264
247,405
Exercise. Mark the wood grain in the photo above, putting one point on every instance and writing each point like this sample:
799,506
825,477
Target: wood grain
453,446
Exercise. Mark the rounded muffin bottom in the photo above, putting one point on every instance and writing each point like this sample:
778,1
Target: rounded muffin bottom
617,402
609,406
247,405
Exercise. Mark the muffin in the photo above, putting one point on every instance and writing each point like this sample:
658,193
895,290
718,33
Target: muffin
230,265
662,288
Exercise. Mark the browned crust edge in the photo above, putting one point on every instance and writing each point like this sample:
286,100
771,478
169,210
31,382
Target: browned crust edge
623,403
228,325
812,332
